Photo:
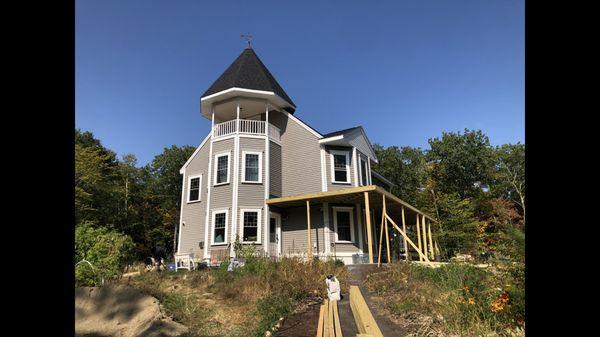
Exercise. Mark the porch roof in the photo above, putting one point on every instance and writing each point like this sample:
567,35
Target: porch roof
353,195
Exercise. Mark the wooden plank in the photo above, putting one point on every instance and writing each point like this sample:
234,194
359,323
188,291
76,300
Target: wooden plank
387,234
380,240
419,237
336,319
321,321
406,251
365,322
424,227
330,326
368,217
319,195
325,318
430,242
309,248
409,240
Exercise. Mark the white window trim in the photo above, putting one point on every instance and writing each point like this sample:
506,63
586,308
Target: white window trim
189,190
360,161
217,156
335,224
258,223
260,156
212,226
332,166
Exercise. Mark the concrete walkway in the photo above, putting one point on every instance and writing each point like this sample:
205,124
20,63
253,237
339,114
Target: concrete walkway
356,276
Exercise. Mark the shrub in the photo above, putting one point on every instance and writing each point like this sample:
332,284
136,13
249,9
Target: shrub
107,251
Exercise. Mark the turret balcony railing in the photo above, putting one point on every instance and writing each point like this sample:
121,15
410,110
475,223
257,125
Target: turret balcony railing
246,126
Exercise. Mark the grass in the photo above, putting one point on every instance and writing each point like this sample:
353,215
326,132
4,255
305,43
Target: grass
455,299
246,302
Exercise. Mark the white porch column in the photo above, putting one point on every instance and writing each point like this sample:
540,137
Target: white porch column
236,174
209,184
267,186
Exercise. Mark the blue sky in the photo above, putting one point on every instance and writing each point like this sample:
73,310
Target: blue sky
404,70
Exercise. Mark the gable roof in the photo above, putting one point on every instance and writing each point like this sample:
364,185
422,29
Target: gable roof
340,132
248,72
350,135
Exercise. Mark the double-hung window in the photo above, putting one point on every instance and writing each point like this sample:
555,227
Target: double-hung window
194,184
222,162
219,227
252,167
251,225
343,224
340,166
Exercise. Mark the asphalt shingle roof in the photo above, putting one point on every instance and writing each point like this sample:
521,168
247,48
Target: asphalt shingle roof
248,72
340,132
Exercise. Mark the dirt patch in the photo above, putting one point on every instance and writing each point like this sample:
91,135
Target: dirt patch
121,311
301,324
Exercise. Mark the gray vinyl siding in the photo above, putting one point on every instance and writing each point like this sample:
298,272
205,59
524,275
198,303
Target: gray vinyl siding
293,230
300,160
275,170
344,247
193,214
357,140
221,195
331,186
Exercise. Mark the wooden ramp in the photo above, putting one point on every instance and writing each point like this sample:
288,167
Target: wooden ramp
329,320
367,327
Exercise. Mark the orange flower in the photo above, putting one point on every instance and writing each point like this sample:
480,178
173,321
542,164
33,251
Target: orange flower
498,304
471,300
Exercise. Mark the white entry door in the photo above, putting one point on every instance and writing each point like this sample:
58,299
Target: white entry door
274,234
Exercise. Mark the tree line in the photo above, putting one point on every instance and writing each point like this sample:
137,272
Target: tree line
476,190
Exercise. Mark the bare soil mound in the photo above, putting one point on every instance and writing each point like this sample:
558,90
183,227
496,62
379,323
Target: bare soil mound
121,311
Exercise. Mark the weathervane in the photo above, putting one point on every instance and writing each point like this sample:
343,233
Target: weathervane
248,39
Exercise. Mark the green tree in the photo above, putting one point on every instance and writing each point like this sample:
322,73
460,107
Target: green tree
404,166
462,163
510,174
100,253
164,193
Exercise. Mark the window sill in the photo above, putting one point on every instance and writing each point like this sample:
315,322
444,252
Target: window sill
252,182
342,182
194,201
221,184
250,243
344,242
219,244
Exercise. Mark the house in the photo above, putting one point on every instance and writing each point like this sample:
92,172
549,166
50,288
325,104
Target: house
261,170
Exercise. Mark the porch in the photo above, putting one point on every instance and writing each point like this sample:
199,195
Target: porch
389,214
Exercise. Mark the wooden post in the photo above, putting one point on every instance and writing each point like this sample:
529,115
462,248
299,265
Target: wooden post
368,217
381,237
419,237
406,252
430,242
410,241
424,226
387,234
309,249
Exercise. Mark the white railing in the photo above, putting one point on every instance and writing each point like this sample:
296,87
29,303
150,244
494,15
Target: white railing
252,127
247,126
225,128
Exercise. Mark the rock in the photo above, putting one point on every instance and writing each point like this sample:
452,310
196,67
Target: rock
268,334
